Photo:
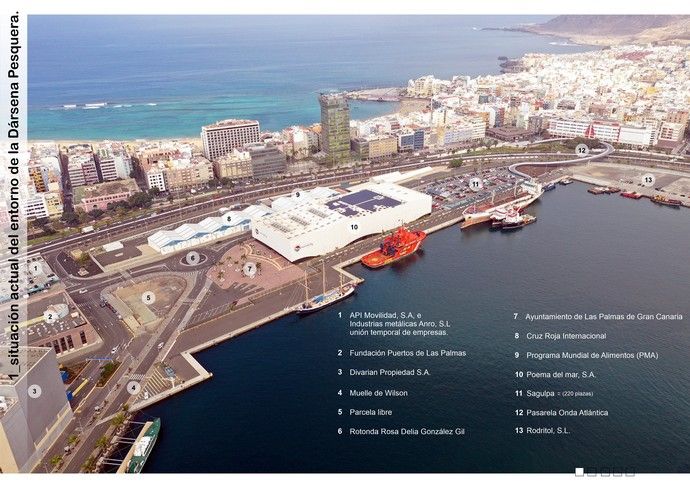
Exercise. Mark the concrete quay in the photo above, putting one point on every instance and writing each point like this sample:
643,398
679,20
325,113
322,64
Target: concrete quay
270,308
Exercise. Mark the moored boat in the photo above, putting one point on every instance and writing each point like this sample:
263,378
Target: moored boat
143,446
631,194
514,222
669,202
399,244
327,297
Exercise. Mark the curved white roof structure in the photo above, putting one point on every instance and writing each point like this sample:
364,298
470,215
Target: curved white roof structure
209,229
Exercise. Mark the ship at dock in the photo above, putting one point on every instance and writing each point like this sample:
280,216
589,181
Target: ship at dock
598,190
631,194
142,447
528,193
513,221
668,202
326,298
398,245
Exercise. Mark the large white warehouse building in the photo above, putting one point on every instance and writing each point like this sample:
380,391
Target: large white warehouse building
320,221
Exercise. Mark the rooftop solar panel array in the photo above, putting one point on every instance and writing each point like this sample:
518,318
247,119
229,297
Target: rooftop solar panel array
352,204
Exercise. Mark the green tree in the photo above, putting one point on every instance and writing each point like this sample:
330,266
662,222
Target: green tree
155,191
89,464
71,218
56,460
140,200
102,442
456,163
83,216
72,439
96,213
83,259
118,420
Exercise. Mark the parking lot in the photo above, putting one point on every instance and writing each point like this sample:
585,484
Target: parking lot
454,191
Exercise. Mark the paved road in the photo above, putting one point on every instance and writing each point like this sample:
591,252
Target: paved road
140,354
185,212
593,156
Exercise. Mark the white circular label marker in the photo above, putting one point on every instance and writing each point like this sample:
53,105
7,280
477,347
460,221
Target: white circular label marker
354,227
475,184
193,258
582,150
648,179
249,269
50,316
133,387
36,268
35,391
297,194
148,297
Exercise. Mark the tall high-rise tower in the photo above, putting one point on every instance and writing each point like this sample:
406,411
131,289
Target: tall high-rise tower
335,127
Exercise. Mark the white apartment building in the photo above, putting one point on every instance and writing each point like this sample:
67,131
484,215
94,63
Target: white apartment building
155,178
113,162
222,137
82,170
607,131
671,131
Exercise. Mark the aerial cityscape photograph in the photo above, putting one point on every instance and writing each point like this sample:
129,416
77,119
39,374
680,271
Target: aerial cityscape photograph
348,243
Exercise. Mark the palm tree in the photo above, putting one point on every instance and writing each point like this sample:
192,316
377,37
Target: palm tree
125,407
89,464
118,420
72,439
102,442
56,460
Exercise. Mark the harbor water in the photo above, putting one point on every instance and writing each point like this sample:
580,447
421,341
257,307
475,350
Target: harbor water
272,404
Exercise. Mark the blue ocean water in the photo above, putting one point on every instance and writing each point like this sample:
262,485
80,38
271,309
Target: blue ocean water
166,76
272,404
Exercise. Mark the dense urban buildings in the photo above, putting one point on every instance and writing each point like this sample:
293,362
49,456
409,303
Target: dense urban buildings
222,137
81,165
113,161
335,128
630,96
234,165
267,160
172,165
28,425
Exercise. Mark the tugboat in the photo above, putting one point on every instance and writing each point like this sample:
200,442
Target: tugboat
326,298
514,222
669,202
401,243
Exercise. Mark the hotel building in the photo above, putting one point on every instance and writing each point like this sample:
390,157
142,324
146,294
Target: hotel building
222,137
